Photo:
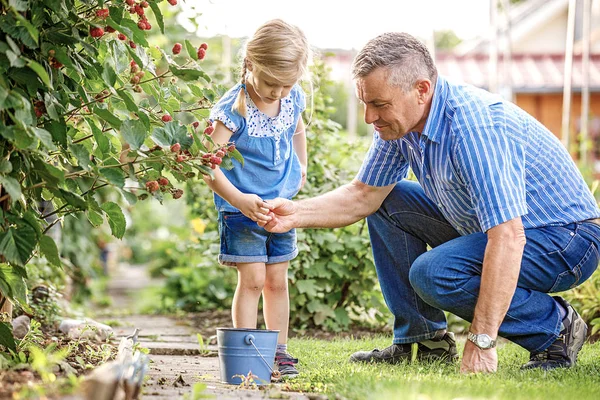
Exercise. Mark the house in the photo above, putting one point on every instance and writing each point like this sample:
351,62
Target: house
531,73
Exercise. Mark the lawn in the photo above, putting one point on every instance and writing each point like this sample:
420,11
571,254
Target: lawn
324,368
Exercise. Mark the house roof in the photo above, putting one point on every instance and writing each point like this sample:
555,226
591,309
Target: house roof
534,73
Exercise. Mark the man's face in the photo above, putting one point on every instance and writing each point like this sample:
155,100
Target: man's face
393,112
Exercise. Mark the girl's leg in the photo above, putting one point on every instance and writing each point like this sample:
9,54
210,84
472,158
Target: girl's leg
276,300
251,280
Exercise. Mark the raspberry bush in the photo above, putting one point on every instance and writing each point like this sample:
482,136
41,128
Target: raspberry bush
85,104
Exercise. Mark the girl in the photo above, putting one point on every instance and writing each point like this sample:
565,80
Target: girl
262,116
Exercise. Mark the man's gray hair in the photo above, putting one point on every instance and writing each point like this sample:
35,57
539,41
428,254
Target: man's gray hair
406,58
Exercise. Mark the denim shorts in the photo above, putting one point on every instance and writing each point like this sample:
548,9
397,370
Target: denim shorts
243,241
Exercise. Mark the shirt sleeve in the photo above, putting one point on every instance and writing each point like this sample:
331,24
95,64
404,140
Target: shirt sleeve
492,165
222,111
384,164
299,98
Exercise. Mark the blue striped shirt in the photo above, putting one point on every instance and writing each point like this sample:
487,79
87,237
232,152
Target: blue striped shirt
484,161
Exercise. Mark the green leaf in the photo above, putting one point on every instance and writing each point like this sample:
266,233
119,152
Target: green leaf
114,176
16,245
12,187
58,130
158,15
307,286
6,337
109,75
129,197
237,155
128,100
108,117
38,69
44,136
101,139
95,217
18,5
71,198
81,154
172,133
116,219
138,36
188,74
5,166
134,133
30,28
191,50
49,249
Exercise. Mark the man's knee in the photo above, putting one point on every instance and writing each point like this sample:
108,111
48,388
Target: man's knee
428,276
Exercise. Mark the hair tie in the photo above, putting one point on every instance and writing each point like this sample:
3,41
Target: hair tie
244,86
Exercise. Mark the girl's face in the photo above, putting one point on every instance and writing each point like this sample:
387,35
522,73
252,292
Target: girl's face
268,89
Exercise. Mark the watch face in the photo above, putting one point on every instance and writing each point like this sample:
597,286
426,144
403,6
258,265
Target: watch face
484,341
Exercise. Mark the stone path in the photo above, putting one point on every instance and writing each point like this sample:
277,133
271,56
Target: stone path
177,361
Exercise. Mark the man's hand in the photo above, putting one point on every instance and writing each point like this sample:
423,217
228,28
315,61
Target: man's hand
281,215
254,208
476,360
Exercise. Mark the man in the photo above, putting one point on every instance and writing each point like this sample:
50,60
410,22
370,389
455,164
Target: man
503,207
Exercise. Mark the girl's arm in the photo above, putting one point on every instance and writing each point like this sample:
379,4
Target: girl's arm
250,205
299,141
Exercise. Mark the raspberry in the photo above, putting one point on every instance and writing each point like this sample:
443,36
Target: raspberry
152,186
201,53
166,117
141,25
144,4
109,29
177,48
220,154
103,13
216,160
130,2
204,46
172,2
162,181
96,32
209,130
135,80
121,36
231,148
177,194
132,44
175,148
195,124
180,158
139,10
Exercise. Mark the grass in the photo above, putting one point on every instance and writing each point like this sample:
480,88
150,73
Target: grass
325,369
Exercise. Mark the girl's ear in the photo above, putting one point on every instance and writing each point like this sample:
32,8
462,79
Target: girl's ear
248,65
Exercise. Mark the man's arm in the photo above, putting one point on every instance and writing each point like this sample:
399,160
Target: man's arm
500,273
340,207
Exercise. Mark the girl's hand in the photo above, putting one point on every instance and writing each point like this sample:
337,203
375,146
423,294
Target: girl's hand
303,180
253,207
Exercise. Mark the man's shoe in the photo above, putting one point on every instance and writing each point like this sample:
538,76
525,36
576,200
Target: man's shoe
392,355
286,365
441,347
563,352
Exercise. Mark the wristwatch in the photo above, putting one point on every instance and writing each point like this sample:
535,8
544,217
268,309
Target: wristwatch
482,340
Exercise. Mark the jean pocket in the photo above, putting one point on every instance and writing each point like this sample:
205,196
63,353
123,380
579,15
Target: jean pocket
581,271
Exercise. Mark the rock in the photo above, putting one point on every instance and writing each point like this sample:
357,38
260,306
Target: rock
20,326
85,328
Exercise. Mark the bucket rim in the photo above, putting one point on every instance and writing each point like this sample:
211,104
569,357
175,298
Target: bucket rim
248,330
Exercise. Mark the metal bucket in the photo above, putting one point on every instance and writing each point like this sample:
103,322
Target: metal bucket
247,353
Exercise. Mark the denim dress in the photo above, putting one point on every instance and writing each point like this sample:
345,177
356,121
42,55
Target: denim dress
271,167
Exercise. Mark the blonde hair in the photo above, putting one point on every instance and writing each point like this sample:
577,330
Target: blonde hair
277,49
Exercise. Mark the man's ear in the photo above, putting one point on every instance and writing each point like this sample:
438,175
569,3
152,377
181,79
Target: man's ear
424,88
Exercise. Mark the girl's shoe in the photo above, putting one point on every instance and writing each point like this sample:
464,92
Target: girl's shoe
286,364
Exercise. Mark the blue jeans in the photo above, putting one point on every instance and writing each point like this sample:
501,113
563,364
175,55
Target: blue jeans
418,284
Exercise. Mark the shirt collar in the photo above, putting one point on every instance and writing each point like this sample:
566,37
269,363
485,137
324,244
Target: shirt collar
436,112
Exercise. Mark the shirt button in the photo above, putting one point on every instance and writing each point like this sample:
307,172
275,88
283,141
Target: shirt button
428,176
440,205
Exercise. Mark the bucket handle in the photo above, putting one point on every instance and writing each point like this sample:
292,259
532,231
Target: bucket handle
249,339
